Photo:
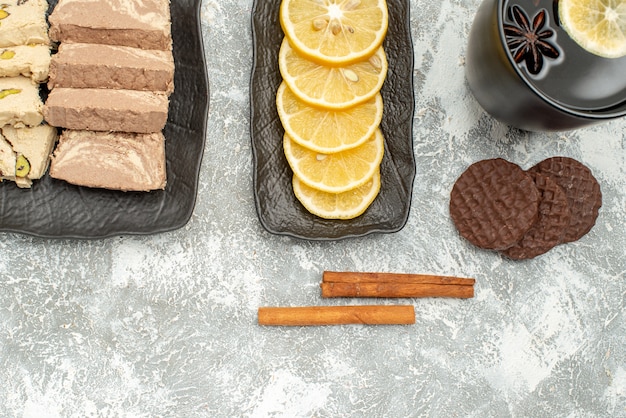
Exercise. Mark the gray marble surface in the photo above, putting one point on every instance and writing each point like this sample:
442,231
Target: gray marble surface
165,325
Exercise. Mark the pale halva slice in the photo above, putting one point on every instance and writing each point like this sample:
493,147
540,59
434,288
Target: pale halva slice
35,145
28,60
20,103
7,160
23,22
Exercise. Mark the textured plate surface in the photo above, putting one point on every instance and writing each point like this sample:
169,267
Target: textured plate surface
53,208
277,208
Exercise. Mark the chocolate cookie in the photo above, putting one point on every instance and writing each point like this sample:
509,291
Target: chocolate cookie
554,219
494,203
582,191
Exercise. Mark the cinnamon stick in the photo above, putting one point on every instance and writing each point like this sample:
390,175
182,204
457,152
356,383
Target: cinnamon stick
394,285
337,315
395,290
364,277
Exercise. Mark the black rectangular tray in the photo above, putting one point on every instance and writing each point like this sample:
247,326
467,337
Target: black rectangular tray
55,209
277,208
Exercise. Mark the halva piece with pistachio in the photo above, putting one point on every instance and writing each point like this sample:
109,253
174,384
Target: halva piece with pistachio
28,60
20,103
23,22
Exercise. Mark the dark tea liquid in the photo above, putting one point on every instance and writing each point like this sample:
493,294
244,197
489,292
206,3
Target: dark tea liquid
575,78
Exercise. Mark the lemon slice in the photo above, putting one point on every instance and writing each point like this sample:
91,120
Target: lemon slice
327,131
598,26
332,87
334,32
338,172
346,205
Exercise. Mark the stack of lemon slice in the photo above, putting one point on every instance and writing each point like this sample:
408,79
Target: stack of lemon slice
333,67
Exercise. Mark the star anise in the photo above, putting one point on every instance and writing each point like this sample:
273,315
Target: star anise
528,41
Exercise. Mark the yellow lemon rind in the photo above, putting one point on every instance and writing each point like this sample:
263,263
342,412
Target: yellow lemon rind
313,97
576,19
307,177
340,139
316,55
307,196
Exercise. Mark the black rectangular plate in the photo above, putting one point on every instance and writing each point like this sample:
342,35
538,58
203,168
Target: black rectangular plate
277,208
56,209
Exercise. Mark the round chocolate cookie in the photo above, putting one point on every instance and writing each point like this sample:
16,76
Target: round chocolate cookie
494,203
582,190
554,218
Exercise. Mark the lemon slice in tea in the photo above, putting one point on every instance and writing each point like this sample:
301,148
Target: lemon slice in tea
598,26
